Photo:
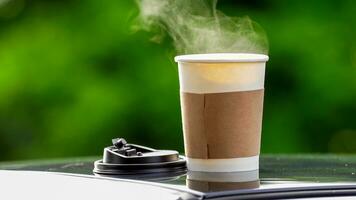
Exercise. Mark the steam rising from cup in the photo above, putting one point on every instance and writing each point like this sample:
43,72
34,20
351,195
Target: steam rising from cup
221,81
196,26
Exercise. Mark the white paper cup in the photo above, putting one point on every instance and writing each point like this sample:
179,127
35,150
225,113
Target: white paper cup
222,103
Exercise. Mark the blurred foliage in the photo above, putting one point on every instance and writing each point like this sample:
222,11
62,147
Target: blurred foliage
73,75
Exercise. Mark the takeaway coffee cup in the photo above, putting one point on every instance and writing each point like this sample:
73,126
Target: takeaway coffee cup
222,103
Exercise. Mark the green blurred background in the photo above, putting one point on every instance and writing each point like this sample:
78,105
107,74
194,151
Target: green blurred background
73,75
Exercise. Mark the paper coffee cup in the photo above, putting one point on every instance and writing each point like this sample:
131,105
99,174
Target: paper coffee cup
222,105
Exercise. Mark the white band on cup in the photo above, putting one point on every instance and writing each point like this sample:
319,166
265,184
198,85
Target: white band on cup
243,176
224,165
221,77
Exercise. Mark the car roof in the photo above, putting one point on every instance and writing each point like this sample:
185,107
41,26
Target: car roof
286,175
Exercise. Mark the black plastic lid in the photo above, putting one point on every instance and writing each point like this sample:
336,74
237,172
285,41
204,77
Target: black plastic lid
132,159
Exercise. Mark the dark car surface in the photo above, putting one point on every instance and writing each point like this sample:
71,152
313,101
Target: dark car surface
280,177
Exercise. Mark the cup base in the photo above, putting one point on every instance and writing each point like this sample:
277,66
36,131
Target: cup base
223,165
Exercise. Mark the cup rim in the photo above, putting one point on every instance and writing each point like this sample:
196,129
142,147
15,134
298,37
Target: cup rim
222,57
